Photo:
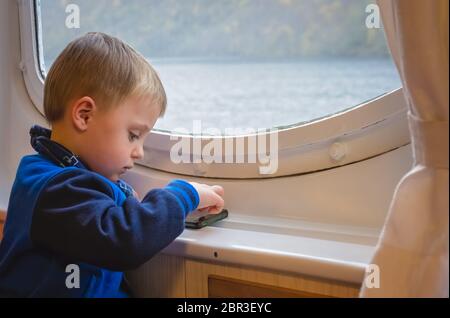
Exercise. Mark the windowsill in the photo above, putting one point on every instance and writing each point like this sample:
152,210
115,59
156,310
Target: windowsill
320,250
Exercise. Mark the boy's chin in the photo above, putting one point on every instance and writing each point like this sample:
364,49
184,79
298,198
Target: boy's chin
113,177
118,175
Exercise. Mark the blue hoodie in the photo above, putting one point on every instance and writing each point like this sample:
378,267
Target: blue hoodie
62,213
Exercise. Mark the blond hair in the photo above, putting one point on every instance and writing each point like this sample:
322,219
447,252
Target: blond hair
104,68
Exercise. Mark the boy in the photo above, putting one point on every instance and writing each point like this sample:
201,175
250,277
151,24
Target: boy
68,205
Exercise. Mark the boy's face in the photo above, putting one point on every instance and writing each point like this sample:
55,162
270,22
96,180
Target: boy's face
115,138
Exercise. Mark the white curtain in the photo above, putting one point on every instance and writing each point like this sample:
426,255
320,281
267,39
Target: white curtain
412,253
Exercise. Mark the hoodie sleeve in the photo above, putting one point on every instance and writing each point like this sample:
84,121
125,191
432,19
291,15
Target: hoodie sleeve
76,217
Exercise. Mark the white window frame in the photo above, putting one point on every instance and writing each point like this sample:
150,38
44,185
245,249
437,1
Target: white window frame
362,132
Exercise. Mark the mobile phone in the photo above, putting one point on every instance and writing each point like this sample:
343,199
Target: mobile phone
197,219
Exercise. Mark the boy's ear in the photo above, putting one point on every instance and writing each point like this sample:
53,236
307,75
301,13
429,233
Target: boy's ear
83,110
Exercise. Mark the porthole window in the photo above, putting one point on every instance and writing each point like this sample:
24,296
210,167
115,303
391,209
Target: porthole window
239,64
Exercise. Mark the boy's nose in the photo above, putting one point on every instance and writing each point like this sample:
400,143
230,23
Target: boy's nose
138,153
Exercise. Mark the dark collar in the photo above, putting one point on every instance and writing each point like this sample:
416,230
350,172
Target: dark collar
41,142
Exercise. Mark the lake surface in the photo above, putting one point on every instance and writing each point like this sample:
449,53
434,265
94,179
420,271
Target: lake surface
262,94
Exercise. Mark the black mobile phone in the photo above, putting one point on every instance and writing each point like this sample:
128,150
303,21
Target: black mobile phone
198,219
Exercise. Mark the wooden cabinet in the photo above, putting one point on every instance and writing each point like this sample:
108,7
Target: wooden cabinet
174,276
2,222
224,287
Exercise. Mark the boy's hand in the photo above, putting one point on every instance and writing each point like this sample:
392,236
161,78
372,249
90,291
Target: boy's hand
136,195
211,197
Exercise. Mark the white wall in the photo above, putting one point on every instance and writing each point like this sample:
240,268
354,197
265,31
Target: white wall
357,194
17,114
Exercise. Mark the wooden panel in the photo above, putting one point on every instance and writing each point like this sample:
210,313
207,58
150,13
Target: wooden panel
222,287
162,276
2,222
198,273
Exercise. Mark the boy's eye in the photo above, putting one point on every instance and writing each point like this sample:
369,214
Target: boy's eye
132,137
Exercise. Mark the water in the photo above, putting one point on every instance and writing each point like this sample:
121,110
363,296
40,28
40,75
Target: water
263,94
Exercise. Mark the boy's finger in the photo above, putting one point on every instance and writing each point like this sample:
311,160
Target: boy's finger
219,200
218,189
215,210
218,207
